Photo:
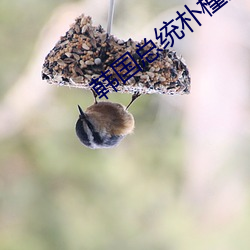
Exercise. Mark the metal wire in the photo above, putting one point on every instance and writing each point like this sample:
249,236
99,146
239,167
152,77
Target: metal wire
110,15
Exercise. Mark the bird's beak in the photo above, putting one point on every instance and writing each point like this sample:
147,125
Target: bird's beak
82,115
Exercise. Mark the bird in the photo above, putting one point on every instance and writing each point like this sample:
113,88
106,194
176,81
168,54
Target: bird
104,124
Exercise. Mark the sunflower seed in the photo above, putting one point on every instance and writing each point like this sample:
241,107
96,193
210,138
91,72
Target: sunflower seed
85,46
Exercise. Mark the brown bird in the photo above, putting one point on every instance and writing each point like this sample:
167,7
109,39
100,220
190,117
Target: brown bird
104,124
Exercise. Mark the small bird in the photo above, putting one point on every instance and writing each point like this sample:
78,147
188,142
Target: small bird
104,124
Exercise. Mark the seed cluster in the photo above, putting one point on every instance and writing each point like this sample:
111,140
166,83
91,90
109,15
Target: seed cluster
86,51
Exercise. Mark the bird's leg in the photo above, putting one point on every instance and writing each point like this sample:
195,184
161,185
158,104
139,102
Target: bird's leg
95,95
134,97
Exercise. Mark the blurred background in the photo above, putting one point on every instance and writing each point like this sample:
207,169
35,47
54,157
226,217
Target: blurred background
180,182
